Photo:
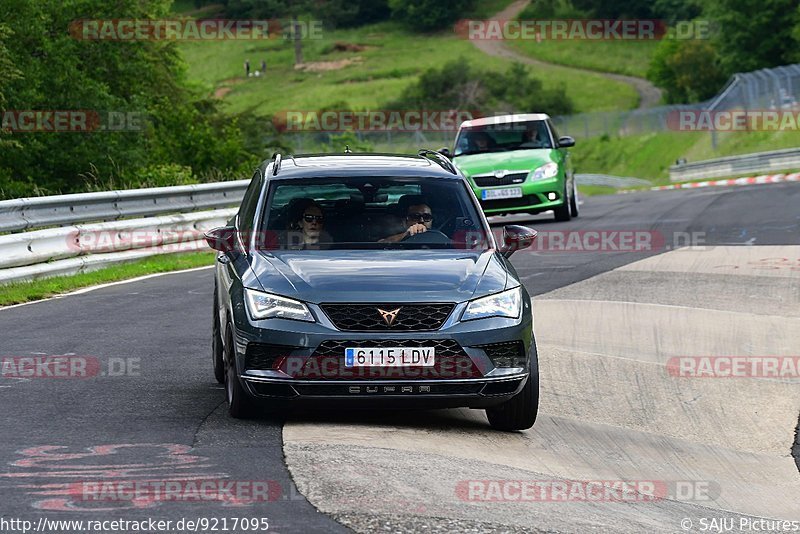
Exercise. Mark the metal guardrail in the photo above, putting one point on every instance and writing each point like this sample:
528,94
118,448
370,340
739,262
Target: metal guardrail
69,234
617,182
761,162
80,248
39,212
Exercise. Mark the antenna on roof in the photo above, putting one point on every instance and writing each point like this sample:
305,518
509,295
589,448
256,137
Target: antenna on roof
439,158
347,149
276,165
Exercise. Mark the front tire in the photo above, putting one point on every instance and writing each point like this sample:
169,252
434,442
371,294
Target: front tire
518,413
573,202
217,355
239,404
562,213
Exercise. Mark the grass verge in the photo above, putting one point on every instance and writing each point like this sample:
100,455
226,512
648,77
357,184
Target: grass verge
595,190
19,292
619,57
650,156
390,60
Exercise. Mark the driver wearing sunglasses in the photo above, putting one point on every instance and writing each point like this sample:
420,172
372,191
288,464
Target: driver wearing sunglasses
419,219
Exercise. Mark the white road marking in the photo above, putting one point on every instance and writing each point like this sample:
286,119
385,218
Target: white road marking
101,286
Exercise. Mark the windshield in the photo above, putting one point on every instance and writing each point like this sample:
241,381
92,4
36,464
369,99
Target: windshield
371,213
503,137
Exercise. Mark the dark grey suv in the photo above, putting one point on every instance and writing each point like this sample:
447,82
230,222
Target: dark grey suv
371,281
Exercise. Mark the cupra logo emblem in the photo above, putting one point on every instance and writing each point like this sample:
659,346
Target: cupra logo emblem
389,316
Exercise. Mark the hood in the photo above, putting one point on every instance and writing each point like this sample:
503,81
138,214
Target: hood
513,160
380,275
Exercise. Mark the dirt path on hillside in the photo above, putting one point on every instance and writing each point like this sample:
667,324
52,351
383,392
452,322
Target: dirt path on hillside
649,94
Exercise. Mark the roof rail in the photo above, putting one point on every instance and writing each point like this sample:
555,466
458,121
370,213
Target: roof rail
276,166
440,158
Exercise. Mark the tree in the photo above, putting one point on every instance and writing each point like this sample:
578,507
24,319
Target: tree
428,15
753,34
688,71
59,72
7,73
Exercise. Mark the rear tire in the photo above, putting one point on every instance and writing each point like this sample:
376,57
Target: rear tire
239,403
518,413
217,355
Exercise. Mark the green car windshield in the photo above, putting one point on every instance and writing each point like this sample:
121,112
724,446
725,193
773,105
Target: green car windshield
503,137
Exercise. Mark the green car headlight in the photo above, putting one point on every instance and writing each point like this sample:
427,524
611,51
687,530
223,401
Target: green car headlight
505,304
267,306
548,170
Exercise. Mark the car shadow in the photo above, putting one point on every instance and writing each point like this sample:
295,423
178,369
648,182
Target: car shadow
456,418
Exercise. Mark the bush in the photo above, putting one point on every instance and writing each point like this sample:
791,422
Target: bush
457,85
688,71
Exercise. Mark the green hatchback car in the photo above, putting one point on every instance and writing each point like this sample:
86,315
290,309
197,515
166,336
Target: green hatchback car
517,164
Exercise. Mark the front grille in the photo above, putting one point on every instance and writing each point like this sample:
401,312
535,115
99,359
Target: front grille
507,354
260,356
327,362
508,179
367,318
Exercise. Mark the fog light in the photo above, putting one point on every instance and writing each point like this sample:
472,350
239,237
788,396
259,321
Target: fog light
552,196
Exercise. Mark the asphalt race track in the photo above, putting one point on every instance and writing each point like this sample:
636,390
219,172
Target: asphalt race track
612,325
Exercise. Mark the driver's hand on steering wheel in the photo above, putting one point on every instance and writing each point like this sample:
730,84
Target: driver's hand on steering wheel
415,229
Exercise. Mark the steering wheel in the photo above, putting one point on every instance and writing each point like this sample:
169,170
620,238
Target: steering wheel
431,237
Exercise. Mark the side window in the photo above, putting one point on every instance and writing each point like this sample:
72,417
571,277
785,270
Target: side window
247,211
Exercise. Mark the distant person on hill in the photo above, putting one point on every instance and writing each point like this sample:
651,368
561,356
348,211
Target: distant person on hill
247,68
263,67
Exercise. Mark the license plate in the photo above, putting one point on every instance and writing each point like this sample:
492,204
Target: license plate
389,356
509,192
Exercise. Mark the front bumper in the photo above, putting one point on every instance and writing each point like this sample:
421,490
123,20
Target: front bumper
427,394
534,197
472,379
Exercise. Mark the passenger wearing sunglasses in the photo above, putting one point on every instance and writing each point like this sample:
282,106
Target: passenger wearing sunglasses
310,221
419,219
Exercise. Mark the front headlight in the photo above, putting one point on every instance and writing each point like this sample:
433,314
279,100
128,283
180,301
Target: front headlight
267,306
505,304
548,170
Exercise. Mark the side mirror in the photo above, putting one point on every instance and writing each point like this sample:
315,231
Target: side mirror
566,142
516,238
221,239
445,152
